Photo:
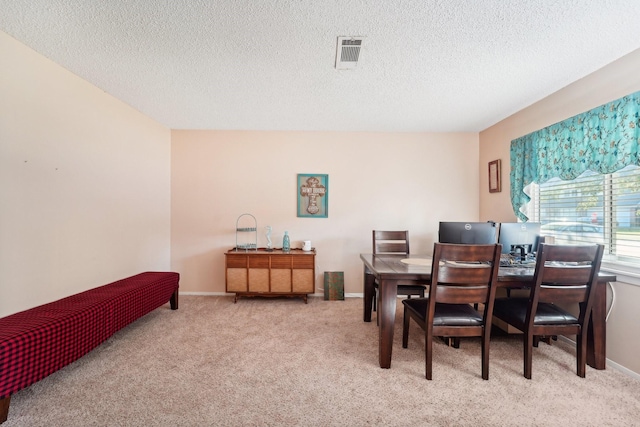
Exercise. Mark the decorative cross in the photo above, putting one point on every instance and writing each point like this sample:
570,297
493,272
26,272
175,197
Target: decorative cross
312,190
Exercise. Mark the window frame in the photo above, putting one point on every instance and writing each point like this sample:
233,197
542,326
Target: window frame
628,267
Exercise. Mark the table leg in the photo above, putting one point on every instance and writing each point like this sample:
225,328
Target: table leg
369,292
597,334
387,316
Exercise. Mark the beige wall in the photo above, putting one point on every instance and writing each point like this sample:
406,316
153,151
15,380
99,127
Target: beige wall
376,180
611,82
84,184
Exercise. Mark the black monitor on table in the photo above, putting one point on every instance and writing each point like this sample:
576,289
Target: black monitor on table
519,238
473,233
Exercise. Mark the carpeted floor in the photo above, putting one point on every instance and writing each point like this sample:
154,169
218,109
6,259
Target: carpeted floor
280,362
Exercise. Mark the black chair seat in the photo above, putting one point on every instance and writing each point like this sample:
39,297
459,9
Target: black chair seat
445,314
514,312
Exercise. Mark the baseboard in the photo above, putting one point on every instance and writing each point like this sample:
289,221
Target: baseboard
218,294
227,294
222,294
610,363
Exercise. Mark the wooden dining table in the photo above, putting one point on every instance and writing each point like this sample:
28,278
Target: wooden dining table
388,270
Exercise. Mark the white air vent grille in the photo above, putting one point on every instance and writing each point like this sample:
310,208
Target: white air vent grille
348,52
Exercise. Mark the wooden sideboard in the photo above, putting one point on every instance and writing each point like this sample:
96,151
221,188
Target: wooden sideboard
270,274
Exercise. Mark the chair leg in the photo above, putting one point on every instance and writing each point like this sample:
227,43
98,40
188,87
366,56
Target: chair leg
405,329
486,335
581,356
428,353
528,354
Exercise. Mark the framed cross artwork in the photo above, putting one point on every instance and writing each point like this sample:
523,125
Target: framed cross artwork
313,195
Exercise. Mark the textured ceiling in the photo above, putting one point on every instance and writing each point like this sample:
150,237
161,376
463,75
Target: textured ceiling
425,65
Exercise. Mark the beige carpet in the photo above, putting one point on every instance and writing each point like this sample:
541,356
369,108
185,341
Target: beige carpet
279,362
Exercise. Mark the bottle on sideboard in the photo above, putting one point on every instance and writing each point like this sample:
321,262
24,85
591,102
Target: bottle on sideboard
286,243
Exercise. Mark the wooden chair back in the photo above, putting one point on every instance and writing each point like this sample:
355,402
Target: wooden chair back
565,274
391,242
464,274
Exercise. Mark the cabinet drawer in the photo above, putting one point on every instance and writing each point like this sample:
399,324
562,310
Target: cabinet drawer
258,261
303,261
236,261
281,261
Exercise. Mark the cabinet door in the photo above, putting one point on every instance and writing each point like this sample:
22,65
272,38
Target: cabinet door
236,280
281,273
258,273
259,280
303,281
236,273
304,274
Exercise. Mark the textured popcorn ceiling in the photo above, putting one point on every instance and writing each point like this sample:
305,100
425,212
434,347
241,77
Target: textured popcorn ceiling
425,65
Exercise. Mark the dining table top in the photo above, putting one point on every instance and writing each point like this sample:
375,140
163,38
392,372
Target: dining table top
418,267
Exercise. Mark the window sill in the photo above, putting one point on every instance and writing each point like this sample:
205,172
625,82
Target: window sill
624,273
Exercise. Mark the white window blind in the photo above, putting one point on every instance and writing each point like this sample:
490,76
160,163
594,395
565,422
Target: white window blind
593,208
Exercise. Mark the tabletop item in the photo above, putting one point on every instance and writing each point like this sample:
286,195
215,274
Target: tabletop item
268,233
306,245
286,243
246,233
425,262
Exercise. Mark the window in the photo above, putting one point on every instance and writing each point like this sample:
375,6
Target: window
593,208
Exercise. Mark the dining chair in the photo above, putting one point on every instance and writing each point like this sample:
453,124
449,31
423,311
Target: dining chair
461,275
564,283
397,243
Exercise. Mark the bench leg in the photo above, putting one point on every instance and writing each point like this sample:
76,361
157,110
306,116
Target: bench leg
174,300
4,408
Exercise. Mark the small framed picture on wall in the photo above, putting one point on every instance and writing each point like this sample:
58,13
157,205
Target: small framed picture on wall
313,195
494,176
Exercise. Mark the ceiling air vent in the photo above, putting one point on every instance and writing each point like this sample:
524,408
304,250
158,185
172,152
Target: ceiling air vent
348,52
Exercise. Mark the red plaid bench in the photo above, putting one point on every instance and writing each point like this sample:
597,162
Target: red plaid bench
37,342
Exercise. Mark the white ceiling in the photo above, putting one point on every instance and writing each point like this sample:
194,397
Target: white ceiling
425,65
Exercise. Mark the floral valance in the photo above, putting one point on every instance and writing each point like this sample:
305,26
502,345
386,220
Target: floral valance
604,139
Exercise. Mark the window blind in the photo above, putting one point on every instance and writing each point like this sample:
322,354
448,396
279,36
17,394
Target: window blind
593,208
